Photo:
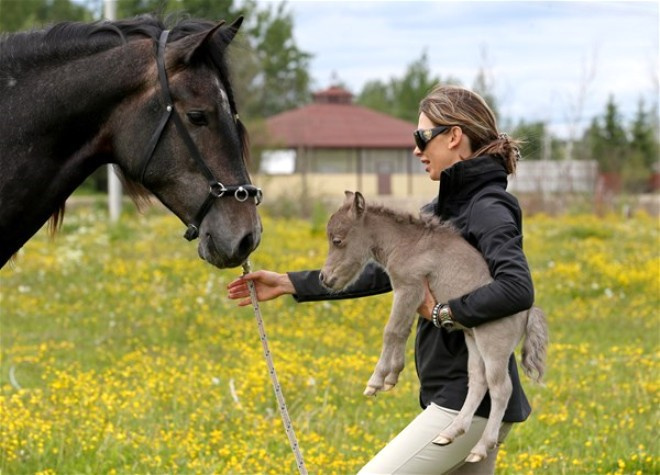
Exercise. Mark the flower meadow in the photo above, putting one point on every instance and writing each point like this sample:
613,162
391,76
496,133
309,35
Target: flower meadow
121,354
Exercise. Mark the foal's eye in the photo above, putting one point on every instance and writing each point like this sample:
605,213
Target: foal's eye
197,118
336,241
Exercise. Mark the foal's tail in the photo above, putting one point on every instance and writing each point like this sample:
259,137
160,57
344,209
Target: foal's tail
535,346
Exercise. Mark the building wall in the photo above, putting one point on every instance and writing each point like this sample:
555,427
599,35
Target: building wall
334,184
354,160
531,177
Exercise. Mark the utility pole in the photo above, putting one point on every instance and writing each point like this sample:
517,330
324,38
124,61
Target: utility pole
114,185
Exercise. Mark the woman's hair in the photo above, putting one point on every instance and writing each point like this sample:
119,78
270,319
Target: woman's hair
454,105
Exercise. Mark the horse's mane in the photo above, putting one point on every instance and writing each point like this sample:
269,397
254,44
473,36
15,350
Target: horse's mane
70,40
428,222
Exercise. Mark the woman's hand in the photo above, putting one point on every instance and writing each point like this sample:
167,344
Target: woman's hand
268,285
429,302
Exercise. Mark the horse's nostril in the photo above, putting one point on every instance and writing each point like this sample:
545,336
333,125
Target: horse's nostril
247,244
321,277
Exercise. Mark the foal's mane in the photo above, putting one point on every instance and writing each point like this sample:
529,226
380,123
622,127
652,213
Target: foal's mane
427,222
66,41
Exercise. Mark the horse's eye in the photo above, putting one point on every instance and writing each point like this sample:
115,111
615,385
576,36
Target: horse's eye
336,241
197,118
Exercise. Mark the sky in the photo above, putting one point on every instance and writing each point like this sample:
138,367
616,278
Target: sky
551,61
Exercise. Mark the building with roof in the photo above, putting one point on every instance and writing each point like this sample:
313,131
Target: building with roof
332,145
334,136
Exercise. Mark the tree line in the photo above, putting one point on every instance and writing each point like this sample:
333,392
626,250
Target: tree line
630,149
274,77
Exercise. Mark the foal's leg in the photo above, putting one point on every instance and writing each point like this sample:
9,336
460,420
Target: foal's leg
496,346
476,390
392,357
499,387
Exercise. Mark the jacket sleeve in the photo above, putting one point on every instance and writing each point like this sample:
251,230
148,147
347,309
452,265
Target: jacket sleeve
495,228
373,280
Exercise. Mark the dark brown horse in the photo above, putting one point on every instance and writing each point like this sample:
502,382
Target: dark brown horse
156,103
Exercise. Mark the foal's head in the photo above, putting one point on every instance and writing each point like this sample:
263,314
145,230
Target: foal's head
349,244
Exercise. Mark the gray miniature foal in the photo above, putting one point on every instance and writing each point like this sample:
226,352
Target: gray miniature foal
414,249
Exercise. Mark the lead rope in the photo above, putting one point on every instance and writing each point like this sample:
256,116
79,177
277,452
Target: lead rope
288,427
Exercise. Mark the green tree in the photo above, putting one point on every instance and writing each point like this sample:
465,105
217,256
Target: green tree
281,77
376,95
399,97
209,9
484,85
25,14
130,8
644,139
416,83
607,139
643,150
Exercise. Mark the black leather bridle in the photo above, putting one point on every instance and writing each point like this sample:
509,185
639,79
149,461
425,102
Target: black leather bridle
216,188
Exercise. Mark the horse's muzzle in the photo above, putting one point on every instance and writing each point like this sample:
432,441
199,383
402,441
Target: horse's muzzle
231,254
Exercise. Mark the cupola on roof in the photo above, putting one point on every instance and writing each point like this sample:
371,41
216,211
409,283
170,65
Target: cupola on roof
333,95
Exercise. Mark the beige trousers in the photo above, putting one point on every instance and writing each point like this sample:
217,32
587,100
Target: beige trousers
412,452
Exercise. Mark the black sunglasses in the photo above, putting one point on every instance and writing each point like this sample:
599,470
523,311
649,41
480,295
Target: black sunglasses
424,136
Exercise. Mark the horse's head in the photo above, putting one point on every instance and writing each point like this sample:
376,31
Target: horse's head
182,140
349,243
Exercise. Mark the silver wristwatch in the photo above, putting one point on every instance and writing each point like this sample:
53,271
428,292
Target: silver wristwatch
441,316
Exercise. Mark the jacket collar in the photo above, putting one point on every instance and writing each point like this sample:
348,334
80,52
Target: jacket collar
460,182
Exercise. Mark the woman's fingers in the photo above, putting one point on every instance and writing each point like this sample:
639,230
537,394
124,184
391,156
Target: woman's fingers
238,289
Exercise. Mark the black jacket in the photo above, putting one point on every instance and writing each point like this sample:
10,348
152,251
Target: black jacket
473,197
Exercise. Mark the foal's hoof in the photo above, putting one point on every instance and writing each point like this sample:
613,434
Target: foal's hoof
387,387
474,458
442,440
370,391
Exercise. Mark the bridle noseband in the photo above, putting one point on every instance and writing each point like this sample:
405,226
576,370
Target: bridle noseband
216,188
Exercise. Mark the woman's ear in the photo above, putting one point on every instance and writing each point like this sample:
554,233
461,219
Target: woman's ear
456,135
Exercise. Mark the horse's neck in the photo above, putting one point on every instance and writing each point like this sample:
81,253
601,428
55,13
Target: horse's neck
53,135
53,120
52,114
88,86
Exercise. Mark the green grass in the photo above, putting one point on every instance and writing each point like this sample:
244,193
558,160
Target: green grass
127,357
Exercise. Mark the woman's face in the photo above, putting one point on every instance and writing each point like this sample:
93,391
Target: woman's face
441,152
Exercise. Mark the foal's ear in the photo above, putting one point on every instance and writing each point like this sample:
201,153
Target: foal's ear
358,206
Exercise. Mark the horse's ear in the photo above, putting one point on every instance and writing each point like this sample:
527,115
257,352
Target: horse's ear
348,197
229,33
359,205
192,44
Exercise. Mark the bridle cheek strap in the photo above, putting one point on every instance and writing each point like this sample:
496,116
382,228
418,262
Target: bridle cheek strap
216,189
155,138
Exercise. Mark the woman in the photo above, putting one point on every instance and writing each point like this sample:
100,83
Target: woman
458,142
